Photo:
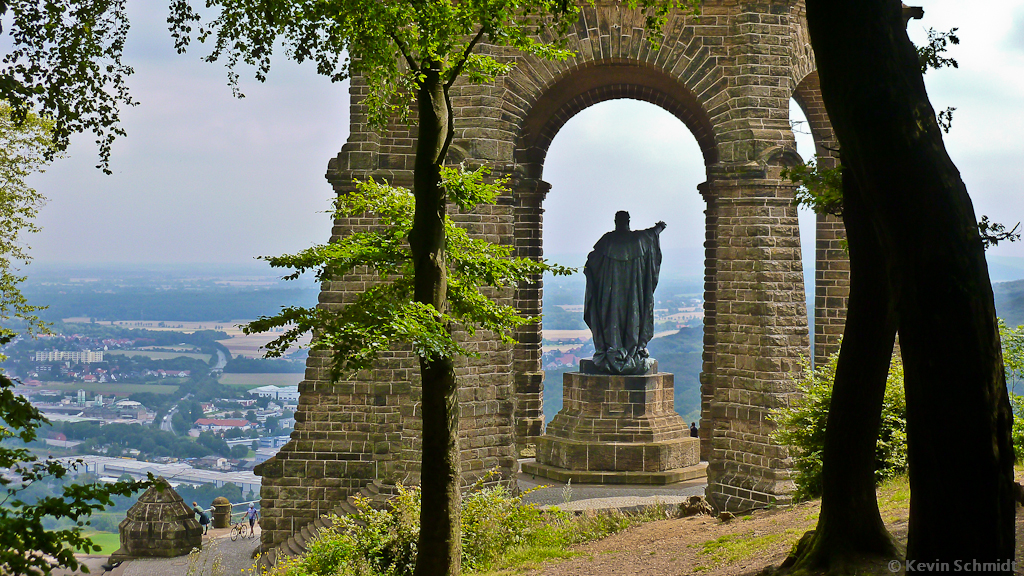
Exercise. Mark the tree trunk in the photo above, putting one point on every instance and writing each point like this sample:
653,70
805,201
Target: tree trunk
850,526
439,549
918,208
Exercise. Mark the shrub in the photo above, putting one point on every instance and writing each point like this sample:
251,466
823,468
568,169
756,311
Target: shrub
494,523
1017,403
493,520
367,543
801,425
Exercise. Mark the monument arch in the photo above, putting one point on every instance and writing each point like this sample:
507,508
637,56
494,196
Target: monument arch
728,76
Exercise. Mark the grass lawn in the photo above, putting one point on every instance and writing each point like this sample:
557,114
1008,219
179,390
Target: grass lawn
159,355
116,388
108,541
256,380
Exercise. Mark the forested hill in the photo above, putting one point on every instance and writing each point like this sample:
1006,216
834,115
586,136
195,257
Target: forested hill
173,305
680,354
1010,301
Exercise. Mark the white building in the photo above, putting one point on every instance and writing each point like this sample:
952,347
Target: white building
176,473
283,393
78,356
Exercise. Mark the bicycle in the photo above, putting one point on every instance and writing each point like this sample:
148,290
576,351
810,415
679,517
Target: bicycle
241,529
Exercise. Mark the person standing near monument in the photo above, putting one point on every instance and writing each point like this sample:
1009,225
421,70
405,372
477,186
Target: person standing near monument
204,518
622,274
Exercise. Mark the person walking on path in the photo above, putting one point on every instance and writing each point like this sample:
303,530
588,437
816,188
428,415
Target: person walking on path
253,515
204,518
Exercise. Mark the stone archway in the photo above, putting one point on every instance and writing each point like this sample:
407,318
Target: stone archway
729,77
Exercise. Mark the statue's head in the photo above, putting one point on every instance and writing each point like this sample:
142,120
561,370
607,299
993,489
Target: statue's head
622,220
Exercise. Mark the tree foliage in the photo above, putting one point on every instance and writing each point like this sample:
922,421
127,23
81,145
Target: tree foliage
25,149
386,313
1012,341
819,188
63,62
28,547
801,425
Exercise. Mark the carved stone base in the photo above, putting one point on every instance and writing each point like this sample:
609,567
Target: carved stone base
617,430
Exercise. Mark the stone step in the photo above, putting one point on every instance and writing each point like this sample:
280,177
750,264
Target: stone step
323,522
290,548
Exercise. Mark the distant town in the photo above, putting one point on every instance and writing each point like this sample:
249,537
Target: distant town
177,403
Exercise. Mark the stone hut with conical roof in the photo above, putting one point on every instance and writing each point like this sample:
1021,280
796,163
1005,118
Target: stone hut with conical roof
160,524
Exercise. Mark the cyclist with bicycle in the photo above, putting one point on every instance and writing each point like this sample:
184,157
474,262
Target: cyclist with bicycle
253,515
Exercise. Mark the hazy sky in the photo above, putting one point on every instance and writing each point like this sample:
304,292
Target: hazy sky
205,177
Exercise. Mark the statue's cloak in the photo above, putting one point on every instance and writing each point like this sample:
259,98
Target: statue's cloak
622,273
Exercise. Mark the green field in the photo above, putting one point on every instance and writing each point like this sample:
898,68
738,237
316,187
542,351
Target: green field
115,388
108,541
159,355
256,380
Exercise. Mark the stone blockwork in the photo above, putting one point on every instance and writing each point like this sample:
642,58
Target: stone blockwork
728,76
617,430
159,525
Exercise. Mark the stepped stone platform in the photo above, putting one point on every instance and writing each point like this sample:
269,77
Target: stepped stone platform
617,430
159,525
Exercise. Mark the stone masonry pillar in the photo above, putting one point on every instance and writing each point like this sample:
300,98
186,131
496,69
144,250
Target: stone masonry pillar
528,196
707,371
831,287
760,334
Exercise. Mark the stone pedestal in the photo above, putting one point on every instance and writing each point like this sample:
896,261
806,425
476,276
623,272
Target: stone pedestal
617,430
221,512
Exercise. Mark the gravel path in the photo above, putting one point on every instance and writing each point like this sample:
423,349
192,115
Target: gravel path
219,557
545,492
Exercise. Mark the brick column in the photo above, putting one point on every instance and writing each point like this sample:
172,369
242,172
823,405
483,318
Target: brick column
528,196
760,333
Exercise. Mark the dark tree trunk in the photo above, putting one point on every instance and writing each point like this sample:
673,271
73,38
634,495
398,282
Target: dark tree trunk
439,548
917,207
850,526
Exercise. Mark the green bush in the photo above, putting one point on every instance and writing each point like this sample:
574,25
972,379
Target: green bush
495,526
1017,403
801,425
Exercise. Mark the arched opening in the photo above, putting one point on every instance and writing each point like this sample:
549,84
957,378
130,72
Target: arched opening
831,273
808,220
642,159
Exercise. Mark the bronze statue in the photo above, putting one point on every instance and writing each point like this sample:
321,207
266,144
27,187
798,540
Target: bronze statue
622,273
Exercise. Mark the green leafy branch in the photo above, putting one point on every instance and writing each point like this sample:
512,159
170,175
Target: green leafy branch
932,55
383,314
819,188
62,60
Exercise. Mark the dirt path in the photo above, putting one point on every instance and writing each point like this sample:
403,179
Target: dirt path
708,546
698,544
